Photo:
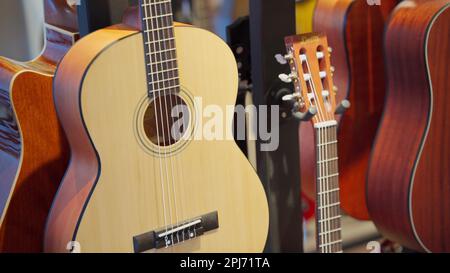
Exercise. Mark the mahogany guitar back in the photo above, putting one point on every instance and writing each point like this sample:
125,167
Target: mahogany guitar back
408,182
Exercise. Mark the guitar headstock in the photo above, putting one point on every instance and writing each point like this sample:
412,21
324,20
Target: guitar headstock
311,74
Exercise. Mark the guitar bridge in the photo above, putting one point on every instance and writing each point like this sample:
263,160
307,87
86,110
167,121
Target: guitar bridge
176,234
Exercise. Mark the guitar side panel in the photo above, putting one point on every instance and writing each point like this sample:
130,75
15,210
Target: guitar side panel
430,191
10,140
84,166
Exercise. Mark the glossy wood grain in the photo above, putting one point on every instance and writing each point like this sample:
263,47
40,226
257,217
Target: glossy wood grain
355,31
408,182
33,150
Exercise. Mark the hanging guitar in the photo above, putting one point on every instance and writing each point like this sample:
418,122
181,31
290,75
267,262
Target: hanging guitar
132,186
33,150
408,185
314,100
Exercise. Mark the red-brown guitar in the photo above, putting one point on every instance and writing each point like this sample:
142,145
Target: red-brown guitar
33,150
408,190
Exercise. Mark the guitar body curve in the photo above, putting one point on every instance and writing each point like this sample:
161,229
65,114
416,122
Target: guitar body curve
408,181
355,32
113,188
41,162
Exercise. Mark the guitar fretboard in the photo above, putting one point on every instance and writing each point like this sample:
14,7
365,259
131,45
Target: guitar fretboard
159,45
328,214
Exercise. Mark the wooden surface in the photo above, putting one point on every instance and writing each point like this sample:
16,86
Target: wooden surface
33,150
408,182
355,32
125,177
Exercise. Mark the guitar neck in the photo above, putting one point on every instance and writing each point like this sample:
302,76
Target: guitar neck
159,45
328,215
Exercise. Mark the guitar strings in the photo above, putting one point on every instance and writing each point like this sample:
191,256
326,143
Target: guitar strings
325,207
326,181
169,27
320,206
332,187
165,122
148,15
178,102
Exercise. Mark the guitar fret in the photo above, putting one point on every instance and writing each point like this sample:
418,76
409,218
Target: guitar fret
168,88
163,61
330,231
158,16
160,41
328,192
161,51
156,3
328,176
330,243
158,29
164,80
164,71
330,219
327,144
330,206
328,160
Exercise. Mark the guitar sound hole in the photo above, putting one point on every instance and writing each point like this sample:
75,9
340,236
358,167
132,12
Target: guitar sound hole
166,120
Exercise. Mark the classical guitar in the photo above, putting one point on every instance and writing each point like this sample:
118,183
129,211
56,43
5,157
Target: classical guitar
355,31
33,150
314,100
408,186
132,185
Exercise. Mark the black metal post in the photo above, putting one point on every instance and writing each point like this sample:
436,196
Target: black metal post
270,22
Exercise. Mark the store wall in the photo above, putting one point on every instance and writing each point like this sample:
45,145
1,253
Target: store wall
21,26
21,34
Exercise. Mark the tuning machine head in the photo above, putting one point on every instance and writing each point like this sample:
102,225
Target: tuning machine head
287,78
284,59
343,107
305,116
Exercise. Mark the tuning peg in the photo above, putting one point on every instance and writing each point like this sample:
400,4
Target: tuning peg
291,97
287,78
283,59
333,69
335,89
307,116
343,107
330,49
